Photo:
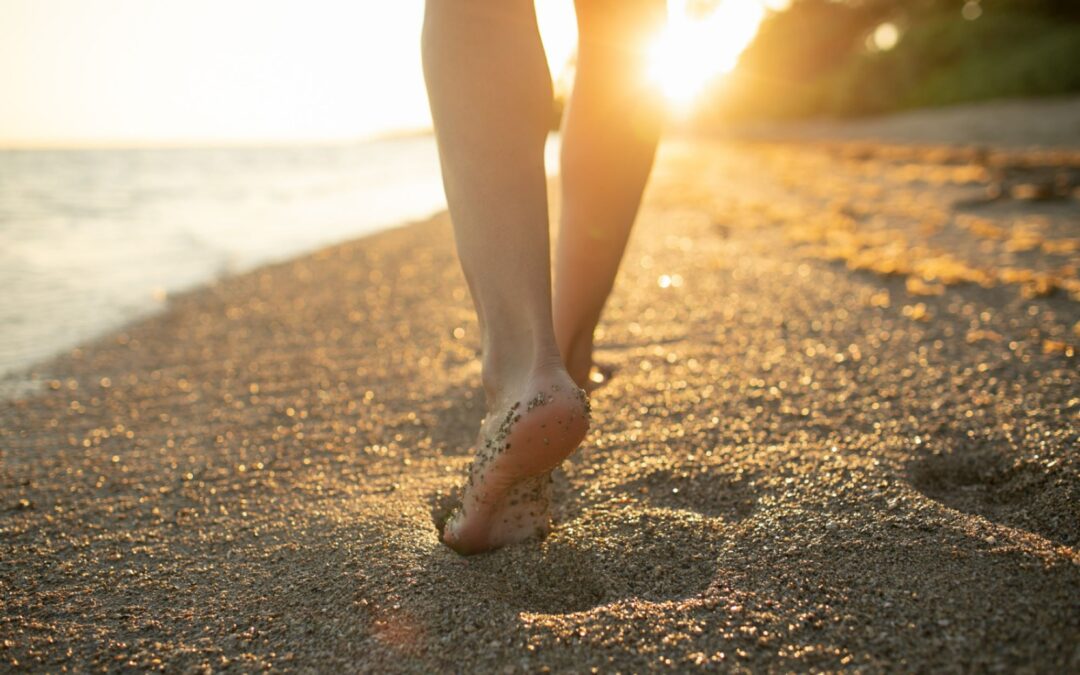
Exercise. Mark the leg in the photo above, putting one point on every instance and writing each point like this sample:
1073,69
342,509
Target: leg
609,138
490,96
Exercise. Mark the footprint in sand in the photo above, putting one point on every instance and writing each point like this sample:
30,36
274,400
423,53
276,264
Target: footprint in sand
1025,493
704,490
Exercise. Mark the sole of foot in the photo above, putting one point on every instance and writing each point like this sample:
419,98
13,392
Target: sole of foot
507,494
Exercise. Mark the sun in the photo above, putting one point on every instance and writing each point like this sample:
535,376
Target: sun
696,48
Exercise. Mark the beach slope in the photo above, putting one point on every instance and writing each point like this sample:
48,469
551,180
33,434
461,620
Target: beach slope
842,432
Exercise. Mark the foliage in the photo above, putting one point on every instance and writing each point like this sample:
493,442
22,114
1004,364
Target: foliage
814,58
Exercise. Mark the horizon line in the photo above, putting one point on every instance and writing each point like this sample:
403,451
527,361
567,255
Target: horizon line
9,144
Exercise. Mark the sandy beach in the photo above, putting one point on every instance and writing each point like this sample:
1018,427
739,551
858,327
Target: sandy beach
842,434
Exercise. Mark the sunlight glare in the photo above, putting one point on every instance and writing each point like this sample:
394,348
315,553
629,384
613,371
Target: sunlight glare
885,36
694,49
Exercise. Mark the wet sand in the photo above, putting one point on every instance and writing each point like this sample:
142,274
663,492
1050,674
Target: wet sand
819,450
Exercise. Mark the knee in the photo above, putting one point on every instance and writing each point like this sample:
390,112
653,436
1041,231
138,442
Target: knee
477,16
459,24
622,25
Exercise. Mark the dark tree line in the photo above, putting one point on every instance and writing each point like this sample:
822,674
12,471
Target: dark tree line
815,58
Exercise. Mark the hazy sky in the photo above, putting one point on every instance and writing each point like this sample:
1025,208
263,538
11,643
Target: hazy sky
102,71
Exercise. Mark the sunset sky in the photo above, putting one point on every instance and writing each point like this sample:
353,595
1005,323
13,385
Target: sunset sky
131,71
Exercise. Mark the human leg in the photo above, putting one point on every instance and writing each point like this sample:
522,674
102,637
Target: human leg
609,139
490,95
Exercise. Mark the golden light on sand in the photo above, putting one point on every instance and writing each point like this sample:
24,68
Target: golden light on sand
698,46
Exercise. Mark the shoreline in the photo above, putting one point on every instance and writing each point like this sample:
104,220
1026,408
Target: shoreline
107,252
25,381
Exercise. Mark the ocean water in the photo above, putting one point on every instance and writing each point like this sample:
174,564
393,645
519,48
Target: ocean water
92,239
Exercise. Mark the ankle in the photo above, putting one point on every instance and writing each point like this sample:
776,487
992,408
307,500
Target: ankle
505,373
577,356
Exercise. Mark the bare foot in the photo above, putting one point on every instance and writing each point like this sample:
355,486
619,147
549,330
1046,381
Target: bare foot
586,373
507,495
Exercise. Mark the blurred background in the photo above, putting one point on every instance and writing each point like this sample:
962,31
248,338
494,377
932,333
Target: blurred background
149,147
826,57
